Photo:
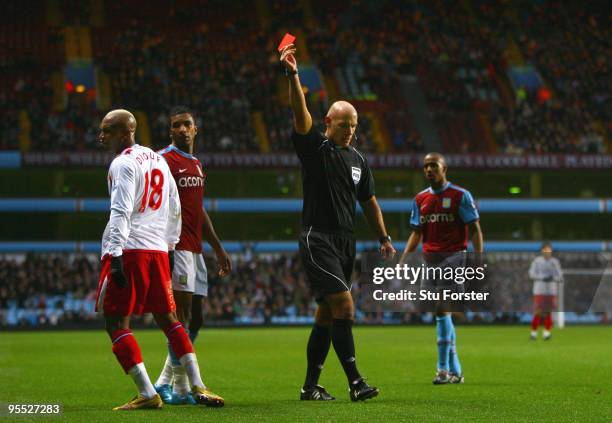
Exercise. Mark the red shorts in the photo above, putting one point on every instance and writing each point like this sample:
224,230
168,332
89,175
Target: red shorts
545,303
149,287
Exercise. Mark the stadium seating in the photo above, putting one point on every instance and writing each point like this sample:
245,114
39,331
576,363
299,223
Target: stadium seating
60,290
224,66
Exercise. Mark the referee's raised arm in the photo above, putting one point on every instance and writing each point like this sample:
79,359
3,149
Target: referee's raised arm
302,121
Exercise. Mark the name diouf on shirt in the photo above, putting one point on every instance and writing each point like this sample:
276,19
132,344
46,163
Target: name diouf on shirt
142,157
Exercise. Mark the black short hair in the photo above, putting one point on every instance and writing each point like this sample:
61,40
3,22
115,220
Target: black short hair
438,156
546,244
180,109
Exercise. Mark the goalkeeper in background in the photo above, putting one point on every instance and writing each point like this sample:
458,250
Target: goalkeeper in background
546,273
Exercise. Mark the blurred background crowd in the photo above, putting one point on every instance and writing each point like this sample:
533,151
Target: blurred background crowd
60,290
478,76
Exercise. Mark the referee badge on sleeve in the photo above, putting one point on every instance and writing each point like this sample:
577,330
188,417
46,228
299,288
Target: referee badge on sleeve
356,174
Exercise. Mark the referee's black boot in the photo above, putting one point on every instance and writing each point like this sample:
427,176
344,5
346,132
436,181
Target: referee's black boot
361,391
315,393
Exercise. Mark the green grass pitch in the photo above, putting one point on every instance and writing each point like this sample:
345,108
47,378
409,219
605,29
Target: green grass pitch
260,372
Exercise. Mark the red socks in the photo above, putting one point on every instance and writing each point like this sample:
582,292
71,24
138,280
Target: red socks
535,322
128,353
126,349
178,339
548,321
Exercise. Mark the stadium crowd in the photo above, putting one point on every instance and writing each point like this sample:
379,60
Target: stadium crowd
46,290
572,59
219,60
52,289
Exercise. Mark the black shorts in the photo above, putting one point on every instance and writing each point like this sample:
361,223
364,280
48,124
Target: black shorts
328,261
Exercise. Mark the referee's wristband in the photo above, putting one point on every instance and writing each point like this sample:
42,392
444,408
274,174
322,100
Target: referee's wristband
290,72
384,239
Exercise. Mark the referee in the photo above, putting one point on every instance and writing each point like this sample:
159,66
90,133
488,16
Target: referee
334,176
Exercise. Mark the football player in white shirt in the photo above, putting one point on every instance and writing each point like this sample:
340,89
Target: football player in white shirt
144,225
546,273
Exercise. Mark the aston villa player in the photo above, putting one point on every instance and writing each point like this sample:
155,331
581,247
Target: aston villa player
443,216
189,276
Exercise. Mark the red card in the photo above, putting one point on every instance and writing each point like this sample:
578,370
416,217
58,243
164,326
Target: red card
287,39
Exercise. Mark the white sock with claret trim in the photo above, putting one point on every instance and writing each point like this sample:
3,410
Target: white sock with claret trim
166,375
181,381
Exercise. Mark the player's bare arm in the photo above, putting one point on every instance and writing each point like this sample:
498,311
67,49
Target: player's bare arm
411,245
374,216
223,259
302,120
476,236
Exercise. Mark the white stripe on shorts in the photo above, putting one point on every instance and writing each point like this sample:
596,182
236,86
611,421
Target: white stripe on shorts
316,264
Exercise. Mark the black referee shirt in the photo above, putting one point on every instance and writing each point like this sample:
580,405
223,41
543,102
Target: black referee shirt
333,178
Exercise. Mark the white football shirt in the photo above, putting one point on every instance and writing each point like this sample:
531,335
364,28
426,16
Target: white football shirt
542,269
145,210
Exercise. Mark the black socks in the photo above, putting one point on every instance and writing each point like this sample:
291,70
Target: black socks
316,352
342,338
